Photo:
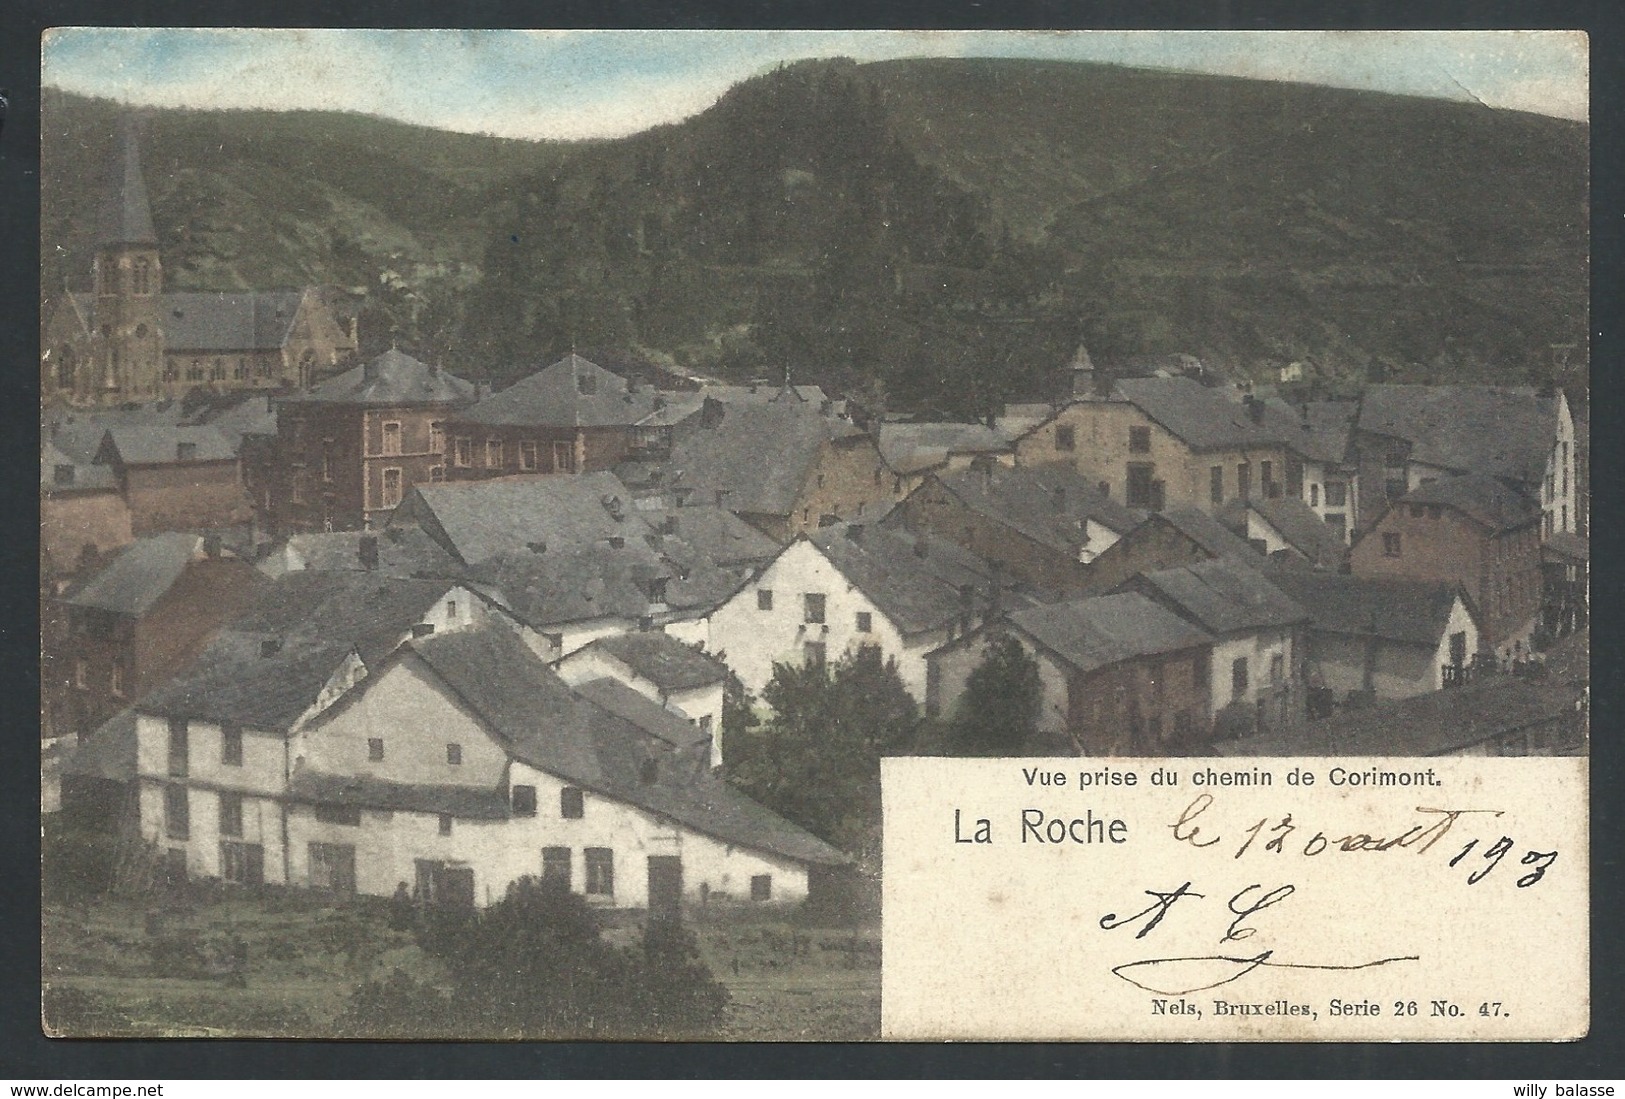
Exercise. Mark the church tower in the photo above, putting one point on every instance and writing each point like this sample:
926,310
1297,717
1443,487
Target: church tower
127,359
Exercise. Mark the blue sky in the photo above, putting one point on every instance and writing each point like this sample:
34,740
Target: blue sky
587,84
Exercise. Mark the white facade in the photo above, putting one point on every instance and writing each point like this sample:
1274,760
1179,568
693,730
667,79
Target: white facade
700,706
1332,494
951,667
768,621
1557,499
1098,538
1343,662
1260,663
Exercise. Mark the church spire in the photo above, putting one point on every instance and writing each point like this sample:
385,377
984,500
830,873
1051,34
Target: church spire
127,216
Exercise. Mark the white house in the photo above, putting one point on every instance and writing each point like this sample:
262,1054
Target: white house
659,667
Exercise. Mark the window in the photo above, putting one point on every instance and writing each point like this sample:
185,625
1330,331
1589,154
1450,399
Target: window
586,384
177,813
493,454
242,863
556,866
339,814
764,599
437,437
1182,724
527,455
116,679
445,824
1139,440
600,871
178,746
463,452
392,437
1266,475
451,610
1336,494
1314,496
296,492
1390,545
761,887
217,371
240,371
705,724
1338,522
437,474
1215,487
81,673
375,749
1244,480
1065,438
194,371
813,604
1417,511
332,867
865,622
1140,490
185,452
143,277
231,814
1277,669
392,487
572,805
523,799
454,755
327,463
564,458
813,653
1238,677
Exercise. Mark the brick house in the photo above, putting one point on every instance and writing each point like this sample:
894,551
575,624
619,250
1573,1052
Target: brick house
1043,525
1120,675
351,449
914,451
1287,525
1469,530
572,417
1178,536
82,512
176,476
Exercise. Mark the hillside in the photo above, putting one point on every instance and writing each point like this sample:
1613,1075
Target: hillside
942,233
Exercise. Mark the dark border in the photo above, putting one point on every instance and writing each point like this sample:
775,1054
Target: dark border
25,1054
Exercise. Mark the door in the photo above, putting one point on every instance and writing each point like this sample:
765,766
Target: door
454,886
665,887
1458,648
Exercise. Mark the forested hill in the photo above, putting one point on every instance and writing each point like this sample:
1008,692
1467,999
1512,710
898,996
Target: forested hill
943,232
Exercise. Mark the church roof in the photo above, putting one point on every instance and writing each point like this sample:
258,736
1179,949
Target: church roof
216,321
126,213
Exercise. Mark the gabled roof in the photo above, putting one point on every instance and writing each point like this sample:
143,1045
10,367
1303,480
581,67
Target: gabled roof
403,551
477,520
139,576
1505,432
1203,417
571,393
210,322
108,753
579,583
759,455
1412,612
695,534
912,447
1209,533
1482,499
393,378
1048,504
165,444
1224,596
919,581
1296,522
1325,430
663,660
648,715
1093,633
541,722
60,472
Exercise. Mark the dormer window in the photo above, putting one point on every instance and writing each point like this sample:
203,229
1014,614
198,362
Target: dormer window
64,475
185,452
586,384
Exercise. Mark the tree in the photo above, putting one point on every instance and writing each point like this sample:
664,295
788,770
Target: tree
816,760
998,713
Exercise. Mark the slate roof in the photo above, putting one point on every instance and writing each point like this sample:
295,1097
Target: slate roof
209,321
1325,430
1412,612
403,551
139,576
108,753
1202,416
1435,723
759,456
553,397
648,715
917,593
912,447
543,723
1483,499
1210,534
477,520
1302,528
1093,633
159,444
83,476
705,532
579,584
1224,597
393,378
318,619
126,215
1497,431
370,792
663,660
1046,503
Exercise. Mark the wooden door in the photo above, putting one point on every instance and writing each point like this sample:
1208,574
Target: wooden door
665,887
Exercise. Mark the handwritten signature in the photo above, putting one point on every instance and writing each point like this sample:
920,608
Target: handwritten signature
1182,976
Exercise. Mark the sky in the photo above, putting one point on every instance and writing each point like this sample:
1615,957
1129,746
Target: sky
594,84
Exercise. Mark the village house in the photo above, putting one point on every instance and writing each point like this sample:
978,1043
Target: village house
352,448
1119,674
1255,629
849,586
1565,563
1044,525
1324,443
1469,530
1286,525
659,667
1379,638
134,622
1162,442
914,451
456,764
83,514
571,417
129,340
399,551
1164,540
1409,435
176,477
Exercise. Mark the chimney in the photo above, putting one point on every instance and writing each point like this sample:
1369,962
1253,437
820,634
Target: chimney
270,646
921,549
1255,408
536,547
1059,496
711,412
617,542
211,546
854,531
668,525
369,370
367,549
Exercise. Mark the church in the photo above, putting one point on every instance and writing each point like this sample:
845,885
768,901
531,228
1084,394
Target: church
128,340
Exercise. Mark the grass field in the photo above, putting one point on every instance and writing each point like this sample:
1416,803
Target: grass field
171,967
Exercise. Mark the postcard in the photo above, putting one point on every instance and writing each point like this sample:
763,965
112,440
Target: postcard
769,535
